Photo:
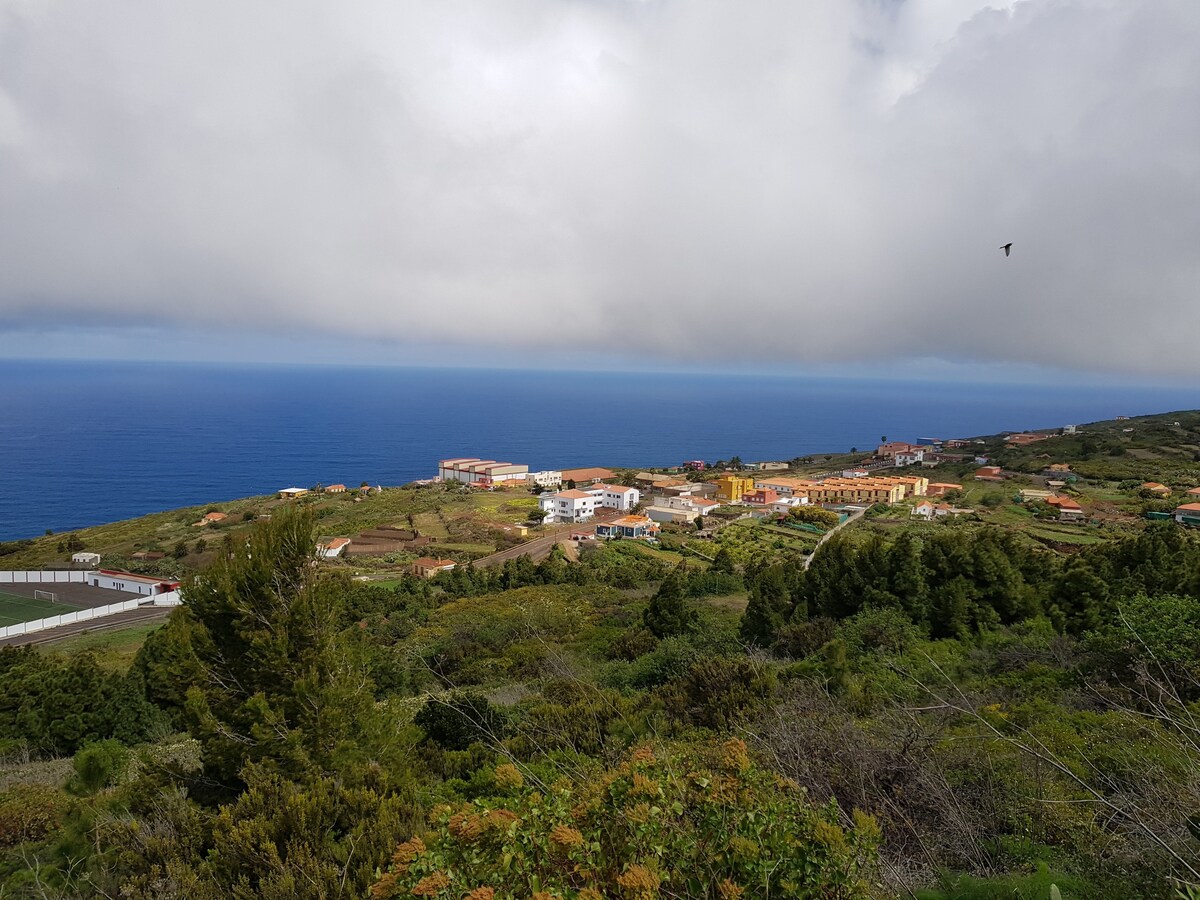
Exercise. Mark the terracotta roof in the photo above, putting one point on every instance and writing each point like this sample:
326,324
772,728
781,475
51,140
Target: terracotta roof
573,495
336,543
428,562
1063,502
1195,492
1154,486
618,488
591,474
1189,507
630,521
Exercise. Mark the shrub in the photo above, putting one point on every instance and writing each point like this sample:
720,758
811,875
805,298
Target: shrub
631,644
459,720
719,692
800,639
98,766
30,812
696,821
814,515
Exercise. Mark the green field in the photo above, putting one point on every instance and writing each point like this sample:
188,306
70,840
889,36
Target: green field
14,609
113,649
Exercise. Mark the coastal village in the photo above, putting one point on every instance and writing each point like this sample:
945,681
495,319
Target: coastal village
784,591
482,512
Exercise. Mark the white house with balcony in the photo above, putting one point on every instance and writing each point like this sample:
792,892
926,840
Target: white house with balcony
911,458
579,506
617,496
569,506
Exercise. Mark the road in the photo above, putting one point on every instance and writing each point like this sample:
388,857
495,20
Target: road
120,620
540,547
853,517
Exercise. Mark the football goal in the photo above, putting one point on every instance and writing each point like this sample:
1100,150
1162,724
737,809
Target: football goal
45,595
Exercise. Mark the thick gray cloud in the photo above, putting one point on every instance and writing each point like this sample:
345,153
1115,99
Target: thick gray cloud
675,180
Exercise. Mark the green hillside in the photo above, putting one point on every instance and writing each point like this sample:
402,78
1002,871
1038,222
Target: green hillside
997,703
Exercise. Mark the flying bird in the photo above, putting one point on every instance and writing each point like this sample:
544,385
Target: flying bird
1007,248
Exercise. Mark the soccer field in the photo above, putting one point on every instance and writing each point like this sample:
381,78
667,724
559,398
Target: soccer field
14,609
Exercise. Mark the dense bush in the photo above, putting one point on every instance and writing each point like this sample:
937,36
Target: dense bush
699,822
56,705
460,720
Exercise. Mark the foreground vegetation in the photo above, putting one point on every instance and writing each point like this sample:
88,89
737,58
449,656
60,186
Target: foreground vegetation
963,716
934,710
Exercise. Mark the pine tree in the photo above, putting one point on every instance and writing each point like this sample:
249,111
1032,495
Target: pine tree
768,609
279,687
669,614
722,562
1079,597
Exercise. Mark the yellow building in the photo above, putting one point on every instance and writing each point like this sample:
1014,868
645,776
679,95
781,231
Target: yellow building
916,486
732,487
858,490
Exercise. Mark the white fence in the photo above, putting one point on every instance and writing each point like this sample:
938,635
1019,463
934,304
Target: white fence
168,598
80,615
38,577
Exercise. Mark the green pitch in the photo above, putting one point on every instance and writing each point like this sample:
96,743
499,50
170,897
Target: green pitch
14,609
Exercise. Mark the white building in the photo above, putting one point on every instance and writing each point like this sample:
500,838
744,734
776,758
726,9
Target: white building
580,506
680,510
617,496
929,510
333,549
146,585
472,470
547,479
784,504
569,506
911,458
704,505
672,512
292,493
84,558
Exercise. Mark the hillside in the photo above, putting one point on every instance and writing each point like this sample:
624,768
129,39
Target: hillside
1109,459
985,704
464,525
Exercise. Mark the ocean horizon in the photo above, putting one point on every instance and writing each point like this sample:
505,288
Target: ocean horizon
84,443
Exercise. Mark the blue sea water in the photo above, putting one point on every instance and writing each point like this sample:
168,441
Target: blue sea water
86,443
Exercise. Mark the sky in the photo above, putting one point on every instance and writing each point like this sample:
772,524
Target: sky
678,184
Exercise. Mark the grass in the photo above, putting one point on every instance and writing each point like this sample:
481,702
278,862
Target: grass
431,510
15,608
735,603
468,548
1077,534
671,557
114,648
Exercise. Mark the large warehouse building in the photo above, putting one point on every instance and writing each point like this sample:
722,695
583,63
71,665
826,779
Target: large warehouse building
472,470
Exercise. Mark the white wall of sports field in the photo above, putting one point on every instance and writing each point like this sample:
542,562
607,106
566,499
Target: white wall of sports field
38,577
168,598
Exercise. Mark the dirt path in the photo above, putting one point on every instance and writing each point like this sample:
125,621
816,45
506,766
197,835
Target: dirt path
853,517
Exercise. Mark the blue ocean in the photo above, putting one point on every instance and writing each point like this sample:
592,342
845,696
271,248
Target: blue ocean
86,443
